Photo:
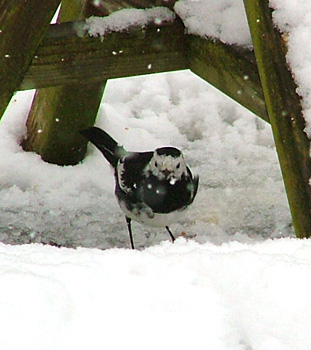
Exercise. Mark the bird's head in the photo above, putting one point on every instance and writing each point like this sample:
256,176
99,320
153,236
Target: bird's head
167,163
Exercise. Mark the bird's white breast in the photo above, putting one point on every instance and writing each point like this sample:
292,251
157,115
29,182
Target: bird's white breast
147,217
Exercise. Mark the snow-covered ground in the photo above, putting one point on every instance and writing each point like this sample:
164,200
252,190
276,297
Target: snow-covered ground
240,284
241,194
171,296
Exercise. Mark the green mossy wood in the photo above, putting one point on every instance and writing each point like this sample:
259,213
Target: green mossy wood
23,24
284,109
55,119
58,113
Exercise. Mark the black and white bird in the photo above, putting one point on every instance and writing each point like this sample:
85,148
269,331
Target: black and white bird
153,188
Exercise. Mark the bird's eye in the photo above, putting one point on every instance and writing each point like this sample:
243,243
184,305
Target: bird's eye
156,164
178,166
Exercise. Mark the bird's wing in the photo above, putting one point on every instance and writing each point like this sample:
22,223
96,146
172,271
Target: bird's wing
193,185
195,188
129,170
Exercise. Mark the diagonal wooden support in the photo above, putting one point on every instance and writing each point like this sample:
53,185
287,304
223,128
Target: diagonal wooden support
284,109
22,27
231,69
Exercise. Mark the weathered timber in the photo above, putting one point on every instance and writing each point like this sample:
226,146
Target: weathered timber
231,69
108,6
105,7
58,113
284,109
64,57
22,27
69,56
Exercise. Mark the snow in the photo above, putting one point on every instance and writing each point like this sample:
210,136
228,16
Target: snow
239,284
123,19
225,20
182,295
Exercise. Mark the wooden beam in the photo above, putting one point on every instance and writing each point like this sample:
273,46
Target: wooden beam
22,27
105,7
285,113
69,56
66,58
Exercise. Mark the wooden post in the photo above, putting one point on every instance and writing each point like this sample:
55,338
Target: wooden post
284,109
58,113
22,27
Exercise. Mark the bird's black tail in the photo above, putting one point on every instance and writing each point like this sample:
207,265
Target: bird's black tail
105,143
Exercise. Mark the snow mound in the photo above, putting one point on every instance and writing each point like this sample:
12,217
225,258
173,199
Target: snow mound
181,295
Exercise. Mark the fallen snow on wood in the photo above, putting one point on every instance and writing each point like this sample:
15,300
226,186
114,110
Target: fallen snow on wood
122,20
225,20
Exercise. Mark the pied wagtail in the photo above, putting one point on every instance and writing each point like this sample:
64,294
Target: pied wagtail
153,188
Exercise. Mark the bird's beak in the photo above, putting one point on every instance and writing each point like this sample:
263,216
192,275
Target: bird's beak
169,175
166,173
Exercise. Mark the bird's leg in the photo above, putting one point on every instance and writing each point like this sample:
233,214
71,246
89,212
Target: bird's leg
129,227
170,233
